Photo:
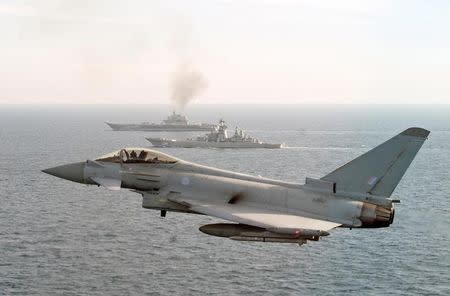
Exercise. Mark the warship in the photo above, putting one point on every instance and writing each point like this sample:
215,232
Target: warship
174,123
217,138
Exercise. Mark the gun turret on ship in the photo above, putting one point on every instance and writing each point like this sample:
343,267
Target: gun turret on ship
174,123
217,138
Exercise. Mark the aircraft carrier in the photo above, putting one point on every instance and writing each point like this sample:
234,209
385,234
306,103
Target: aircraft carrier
173,123
217,138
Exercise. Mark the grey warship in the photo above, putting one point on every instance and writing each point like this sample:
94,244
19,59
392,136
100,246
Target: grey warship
174,123
217,138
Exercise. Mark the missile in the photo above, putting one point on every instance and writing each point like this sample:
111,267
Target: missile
243,232
299,241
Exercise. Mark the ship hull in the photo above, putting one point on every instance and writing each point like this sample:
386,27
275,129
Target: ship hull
158,142
160,127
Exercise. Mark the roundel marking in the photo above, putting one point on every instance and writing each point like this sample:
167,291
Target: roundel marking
185,180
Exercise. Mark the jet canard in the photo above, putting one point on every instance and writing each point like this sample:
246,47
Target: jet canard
356,195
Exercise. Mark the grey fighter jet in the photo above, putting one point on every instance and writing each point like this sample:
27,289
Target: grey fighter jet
356,195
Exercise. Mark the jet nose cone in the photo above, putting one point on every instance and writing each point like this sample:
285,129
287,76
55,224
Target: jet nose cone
73,172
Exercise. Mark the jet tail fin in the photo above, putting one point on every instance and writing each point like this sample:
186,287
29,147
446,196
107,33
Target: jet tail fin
378,171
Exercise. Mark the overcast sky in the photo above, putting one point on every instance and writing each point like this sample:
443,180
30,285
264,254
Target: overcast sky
249,51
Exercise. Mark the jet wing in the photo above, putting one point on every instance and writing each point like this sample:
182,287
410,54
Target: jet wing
271,220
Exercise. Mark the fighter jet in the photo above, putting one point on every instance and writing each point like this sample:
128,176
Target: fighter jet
356,195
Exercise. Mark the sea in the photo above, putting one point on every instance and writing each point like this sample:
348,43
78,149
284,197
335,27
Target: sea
63,238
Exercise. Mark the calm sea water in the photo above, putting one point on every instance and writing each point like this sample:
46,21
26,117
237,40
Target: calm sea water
59,237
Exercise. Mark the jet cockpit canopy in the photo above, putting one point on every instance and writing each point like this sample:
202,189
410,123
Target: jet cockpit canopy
137,155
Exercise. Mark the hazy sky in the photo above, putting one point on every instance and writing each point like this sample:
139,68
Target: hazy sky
250,51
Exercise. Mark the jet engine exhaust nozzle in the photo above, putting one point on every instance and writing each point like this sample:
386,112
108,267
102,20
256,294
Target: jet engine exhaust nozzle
375,216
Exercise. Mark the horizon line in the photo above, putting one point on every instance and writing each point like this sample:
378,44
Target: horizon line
215,103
